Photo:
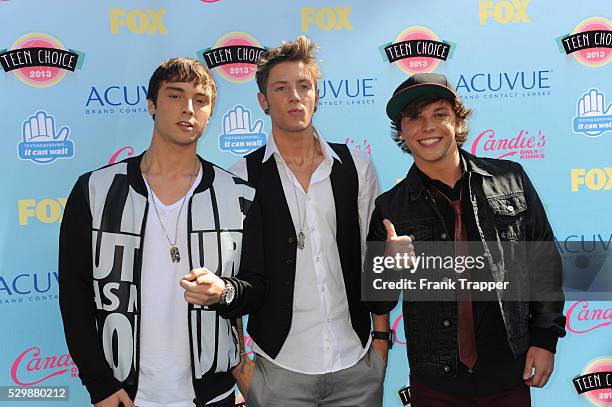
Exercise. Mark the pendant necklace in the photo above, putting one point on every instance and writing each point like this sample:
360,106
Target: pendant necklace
301,236
175,254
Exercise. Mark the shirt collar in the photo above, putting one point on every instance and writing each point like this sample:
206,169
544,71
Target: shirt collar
328,152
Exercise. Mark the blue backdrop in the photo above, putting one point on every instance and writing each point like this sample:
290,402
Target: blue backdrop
536,73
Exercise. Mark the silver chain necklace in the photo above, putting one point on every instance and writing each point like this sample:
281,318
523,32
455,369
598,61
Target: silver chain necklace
175,255
301,237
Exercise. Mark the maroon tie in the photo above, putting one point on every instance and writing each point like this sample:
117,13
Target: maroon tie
467,337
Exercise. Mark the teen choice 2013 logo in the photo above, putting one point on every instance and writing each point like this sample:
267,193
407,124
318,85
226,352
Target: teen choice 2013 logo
234,56
40,60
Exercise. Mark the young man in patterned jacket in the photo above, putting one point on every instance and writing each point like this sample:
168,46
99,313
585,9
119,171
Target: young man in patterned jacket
142,242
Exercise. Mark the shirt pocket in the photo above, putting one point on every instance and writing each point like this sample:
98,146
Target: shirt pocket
509,214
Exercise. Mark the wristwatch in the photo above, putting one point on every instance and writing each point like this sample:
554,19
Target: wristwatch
228,294
384,336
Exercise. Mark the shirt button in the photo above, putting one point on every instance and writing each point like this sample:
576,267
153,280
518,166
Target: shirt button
289,261
287,282
291,239
446,323
317,259
312,228
470,371
446,369
444,236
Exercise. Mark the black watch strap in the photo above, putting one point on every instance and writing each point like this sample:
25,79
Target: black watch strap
384,336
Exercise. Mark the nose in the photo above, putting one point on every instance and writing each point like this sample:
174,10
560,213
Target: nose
188,106
428,123
294,95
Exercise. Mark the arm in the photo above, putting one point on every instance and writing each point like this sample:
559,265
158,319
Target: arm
76,297
250,283
545,273
377,233
204,287
546,323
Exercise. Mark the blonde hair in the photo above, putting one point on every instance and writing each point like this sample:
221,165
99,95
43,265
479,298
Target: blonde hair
300,50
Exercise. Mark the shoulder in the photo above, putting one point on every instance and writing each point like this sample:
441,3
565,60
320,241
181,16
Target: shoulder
390,195
241,187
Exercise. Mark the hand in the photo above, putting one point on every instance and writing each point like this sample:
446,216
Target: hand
382,347
243,374
543,362
113,400
592,104
41,128
202,287
397,244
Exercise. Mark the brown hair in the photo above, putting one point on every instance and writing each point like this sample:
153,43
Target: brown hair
415,107
181,70
300,50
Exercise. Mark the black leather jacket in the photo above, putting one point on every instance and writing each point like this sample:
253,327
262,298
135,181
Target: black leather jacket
507,209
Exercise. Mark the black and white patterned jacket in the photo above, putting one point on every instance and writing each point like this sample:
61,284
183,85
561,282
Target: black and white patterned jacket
100,259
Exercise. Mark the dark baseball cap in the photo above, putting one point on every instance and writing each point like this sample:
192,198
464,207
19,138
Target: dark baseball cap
418,86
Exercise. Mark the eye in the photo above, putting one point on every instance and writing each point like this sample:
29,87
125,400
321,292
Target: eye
175,97
201,101
280,89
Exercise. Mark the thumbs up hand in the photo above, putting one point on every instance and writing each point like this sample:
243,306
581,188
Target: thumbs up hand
397,245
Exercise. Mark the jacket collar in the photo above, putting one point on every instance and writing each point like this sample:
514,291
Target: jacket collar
137,182
469,162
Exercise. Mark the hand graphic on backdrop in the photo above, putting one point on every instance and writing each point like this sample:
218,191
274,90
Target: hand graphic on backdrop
41,128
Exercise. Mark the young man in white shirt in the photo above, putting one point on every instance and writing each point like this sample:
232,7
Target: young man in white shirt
144,240
312,336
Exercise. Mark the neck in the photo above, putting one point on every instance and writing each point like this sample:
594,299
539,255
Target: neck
447,170
167,159
295,147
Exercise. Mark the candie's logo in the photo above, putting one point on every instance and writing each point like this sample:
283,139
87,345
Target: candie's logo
590,42
31,367
40,60
525,145
235,55
417,49
129,150
595,383
584,317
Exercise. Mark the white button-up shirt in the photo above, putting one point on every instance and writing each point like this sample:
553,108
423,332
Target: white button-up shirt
321,338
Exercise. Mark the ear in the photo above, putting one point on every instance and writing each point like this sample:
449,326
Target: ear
316,96
263,102
151,107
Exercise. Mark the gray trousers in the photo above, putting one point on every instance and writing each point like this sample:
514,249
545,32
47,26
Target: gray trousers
356,386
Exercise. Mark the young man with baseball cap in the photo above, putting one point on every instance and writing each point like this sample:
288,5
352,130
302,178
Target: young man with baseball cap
474,350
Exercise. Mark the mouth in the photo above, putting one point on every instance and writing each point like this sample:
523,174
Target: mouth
428,142
296,112
185,125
